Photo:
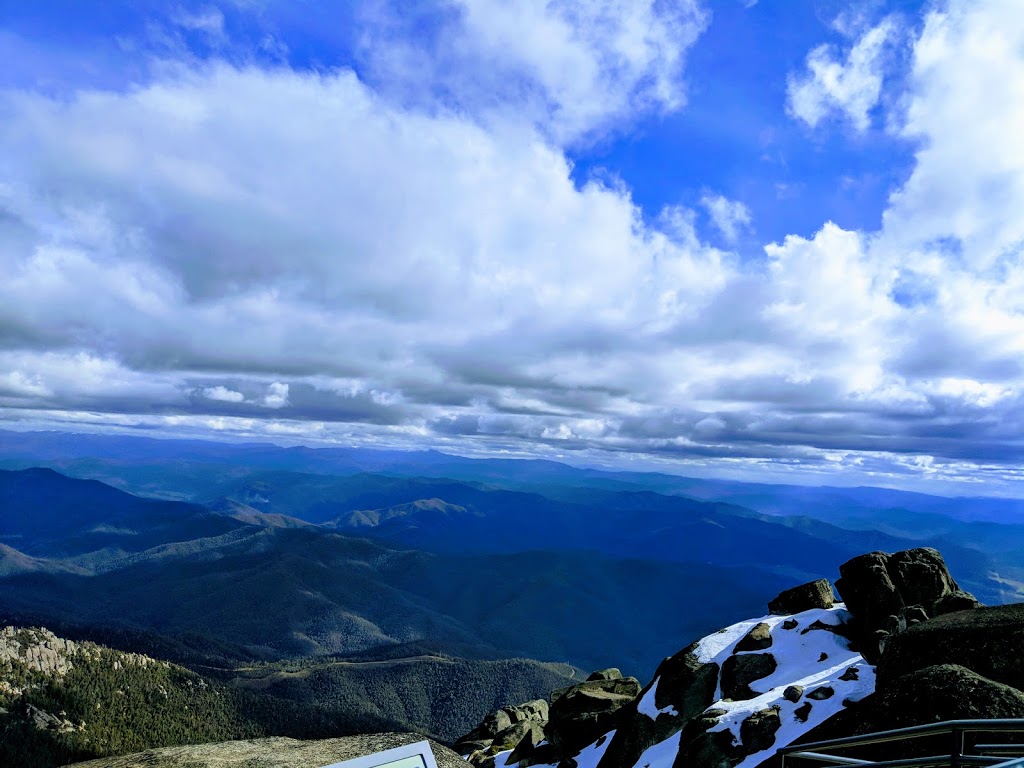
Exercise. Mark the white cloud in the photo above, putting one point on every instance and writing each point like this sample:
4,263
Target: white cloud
966,110
849,88
209,20
401,275
223,394
277,395
731,217
573,67
17,384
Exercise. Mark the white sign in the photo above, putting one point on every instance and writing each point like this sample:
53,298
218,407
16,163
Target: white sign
416,755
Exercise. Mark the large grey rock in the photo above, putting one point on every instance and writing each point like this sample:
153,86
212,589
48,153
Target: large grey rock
945,692
757,732
628,687
739,671
921,577
535,711
707,749
868,590
813,594
272,753
493,724
581,713
685,687
517,732
686,683
499,721
612,673
887,593
987,640
527,743
757,639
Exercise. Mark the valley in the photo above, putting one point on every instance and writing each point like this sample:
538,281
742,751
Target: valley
318,598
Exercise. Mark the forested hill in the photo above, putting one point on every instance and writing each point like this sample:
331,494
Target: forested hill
63,701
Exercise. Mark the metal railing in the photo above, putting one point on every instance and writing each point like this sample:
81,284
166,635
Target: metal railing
960,753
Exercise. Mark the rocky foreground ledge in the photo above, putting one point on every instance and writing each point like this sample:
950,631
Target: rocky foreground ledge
905,646
272,753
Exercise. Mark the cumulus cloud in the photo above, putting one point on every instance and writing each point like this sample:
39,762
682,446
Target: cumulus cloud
849,87
223,394
572,67
965,107
730,217
277,253
277,395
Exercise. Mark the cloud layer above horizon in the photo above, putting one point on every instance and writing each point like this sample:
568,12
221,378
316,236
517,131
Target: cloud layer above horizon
398,252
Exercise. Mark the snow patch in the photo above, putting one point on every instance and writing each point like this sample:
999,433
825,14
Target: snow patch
798,653
647,705
588,757
660,755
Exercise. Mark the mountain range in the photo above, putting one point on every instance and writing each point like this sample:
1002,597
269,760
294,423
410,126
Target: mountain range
296,573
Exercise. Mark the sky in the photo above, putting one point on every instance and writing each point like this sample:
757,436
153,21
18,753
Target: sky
759,239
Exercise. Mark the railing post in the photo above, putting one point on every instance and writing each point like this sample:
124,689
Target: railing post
957,747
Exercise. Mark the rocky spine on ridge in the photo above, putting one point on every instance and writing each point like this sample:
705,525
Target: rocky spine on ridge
734,697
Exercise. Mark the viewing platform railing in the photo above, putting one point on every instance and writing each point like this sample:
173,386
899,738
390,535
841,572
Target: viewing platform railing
983,748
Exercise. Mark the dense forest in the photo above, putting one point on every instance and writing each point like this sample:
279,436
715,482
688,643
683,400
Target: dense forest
111,702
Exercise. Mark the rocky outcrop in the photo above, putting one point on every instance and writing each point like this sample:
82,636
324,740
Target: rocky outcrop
541,732
757,639
714,703
581,713
272,753
813,594
35,653
988,640
887,593
683,687
503,729
37,650
735,696
740,670
944,692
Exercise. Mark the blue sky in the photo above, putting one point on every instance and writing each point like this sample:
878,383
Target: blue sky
733,137
759,239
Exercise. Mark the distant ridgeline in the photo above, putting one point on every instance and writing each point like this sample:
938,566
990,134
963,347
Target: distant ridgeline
908,647
283,600
601,574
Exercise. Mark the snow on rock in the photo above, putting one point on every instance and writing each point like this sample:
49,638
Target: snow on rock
661,754
647,706
783,675
812,658
588,757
